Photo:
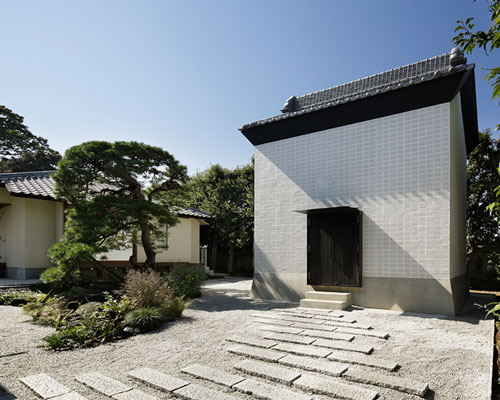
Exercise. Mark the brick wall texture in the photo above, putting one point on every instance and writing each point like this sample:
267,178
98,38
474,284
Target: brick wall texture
395,169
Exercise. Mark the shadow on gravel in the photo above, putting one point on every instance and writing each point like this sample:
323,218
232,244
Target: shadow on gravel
5,395
222,299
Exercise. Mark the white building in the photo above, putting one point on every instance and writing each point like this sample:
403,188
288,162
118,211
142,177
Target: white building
361,188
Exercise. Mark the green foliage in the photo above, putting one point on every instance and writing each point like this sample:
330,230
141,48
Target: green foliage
95,324
29,296
146,287
228,196
145,319
468,38
20,150
66,339
482,179
53,276
185,280
175,307
116,192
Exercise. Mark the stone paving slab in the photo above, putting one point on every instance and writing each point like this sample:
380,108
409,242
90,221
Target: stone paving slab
310,364
45,386
212,374
362,359
328,335
314,310
103,384
371,332
303,350
264,391
258,353
134,394
283,337
280,329
294,313
198,392
158,379
313,326
266,315
342,345
348,325
406,385
278,322
293,318
272,372
333,387
336,319
69,396
266,344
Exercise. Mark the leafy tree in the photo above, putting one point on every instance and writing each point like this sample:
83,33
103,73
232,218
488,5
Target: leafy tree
20,150
116,193
227,195
468,39
482,179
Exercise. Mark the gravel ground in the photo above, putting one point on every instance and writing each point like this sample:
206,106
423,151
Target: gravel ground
453,355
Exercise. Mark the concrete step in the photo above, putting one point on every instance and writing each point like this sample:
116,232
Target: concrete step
331,296
325,304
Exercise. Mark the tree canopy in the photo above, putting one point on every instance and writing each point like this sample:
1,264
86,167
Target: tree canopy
21,150
468,38
117,193
482,179
228,196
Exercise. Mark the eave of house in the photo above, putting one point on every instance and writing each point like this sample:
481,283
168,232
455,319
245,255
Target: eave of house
425,94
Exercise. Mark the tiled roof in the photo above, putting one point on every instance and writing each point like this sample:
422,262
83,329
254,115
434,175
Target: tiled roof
411,74
40,184
193,213
37,183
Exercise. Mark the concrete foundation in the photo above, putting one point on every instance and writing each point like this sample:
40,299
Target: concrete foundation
433,296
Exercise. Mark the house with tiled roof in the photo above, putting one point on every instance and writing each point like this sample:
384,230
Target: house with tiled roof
360,191
31,220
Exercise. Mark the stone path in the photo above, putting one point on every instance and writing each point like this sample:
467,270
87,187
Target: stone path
298,354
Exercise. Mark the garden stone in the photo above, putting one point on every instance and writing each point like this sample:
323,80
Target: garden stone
333,387
328,335
313,327
278,374
280,329
268,392
134,394
340,345
289,338
68,396
273,321
157,379
45,386
255,352
302,350
361,359
309,364
373,333
103,384
389,381
197,392
266,344
212,374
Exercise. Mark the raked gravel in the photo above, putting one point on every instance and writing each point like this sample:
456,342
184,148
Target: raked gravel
452,355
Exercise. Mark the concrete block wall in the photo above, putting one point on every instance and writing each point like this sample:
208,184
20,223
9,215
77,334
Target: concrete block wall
396,169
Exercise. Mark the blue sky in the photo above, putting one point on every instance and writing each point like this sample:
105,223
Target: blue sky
186,74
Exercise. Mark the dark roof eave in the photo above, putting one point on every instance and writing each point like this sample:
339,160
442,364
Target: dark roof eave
433,92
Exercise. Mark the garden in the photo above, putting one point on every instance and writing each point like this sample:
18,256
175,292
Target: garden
86,313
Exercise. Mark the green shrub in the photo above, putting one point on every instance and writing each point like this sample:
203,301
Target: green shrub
185,280
28,296
66,339
173,308
53,276
147,288
145,319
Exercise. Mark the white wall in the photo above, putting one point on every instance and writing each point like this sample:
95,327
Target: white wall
183,245
395,169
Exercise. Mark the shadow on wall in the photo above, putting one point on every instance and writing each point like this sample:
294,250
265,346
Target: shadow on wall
406,285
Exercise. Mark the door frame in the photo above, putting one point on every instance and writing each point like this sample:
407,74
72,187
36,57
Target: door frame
332,211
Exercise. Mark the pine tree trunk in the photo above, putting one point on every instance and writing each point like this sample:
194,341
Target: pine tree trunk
147,246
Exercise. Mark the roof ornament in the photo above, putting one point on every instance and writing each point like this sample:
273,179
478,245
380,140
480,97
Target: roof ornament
457,57
290,105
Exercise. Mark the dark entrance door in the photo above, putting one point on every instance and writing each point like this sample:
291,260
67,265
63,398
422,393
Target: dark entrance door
334,247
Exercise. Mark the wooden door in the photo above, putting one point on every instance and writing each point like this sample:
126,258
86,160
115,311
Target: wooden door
334,247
